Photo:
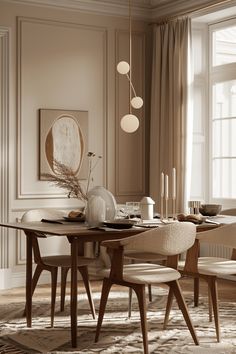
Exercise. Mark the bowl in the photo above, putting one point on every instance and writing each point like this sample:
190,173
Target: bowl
210,209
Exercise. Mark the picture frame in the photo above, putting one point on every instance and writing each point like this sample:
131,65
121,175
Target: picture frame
63,137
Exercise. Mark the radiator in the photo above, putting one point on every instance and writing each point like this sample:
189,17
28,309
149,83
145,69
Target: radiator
215,251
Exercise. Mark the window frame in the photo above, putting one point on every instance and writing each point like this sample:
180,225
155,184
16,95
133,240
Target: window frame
217,74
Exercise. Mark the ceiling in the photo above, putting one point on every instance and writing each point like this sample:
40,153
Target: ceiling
144,9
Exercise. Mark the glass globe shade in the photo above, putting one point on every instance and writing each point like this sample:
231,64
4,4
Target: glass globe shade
137,102
129,123
123,67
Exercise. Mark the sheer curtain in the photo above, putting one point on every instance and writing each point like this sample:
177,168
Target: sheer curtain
170,137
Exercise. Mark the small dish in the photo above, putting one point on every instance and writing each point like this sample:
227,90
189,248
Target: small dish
119,223
76,219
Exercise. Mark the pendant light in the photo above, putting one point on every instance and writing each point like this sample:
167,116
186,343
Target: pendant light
130,123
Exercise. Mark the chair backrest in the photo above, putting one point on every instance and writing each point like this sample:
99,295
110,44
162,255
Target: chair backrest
167,240
231,212
37,215
224,235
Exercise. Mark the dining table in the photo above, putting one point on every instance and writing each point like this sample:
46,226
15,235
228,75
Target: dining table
78,234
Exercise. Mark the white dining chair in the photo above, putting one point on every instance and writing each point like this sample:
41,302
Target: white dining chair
53,263
231,212
170,241
134,256
210,268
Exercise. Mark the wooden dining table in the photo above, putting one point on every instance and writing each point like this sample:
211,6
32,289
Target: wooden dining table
77,234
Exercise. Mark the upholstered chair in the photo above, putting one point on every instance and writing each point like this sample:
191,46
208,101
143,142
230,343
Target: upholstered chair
209,268
53,263
170,241
231,212
134,256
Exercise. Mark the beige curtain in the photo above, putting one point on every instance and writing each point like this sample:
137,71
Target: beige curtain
169,109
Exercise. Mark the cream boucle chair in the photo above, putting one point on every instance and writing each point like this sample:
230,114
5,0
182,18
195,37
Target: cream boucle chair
140,256
52,263
210,268
231,212
170,241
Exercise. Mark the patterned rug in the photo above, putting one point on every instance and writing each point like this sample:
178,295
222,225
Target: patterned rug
119,334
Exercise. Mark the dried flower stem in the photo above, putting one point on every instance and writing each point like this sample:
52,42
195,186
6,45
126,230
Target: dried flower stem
65,178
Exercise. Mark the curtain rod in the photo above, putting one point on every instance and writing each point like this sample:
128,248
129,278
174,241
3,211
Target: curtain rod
188,12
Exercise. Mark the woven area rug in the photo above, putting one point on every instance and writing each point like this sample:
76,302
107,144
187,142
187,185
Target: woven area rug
119,334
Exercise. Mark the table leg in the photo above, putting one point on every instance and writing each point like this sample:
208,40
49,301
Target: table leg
73,294
196,291
28,305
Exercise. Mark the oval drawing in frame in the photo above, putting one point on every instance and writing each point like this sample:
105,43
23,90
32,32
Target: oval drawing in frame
63,137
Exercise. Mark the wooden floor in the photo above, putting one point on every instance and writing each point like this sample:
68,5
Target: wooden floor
226,289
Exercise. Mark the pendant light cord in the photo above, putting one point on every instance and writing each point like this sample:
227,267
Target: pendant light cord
130,58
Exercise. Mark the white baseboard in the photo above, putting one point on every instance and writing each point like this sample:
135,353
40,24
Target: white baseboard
17,279
5,278
9,280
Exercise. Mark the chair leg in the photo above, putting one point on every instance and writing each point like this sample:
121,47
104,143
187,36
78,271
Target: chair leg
209,304
196,291
150,292
168,307
140,292
214,298
130,302
37,273
64,272
182,305
84,273
53,292
104,296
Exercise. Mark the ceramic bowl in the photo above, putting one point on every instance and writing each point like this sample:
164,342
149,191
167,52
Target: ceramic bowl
210,209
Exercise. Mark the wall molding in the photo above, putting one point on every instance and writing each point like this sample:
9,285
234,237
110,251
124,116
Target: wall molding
21,195
140,9
148,10
138,138
4,144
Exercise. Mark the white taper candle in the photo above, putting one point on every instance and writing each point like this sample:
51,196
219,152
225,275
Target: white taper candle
173,183
162,184
166,187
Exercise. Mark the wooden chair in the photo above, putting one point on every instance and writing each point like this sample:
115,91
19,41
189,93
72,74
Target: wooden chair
229,212
209,268
147,257
52,263
170,241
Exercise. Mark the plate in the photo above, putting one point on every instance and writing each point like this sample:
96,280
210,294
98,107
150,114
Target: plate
78,219
119,224
108,198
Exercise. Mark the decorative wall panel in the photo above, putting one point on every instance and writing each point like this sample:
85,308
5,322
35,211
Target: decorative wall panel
60,66
130,147
4,138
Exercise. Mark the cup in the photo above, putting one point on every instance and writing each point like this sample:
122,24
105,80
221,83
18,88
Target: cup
194,206
129,209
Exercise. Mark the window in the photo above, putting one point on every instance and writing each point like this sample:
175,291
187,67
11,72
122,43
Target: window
222,79
214,120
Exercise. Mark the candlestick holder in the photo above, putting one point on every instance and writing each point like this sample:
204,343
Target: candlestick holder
166,208
162,208
174,208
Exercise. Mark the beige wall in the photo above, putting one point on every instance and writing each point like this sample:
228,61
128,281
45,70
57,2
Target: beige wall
67,60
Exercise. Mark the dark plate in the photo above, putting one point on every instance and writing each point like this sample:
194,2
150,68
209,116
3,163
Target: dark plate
78,219
119,224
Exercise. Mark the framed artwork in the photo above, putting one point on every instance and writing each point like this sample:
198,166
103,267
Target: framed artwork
63,137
